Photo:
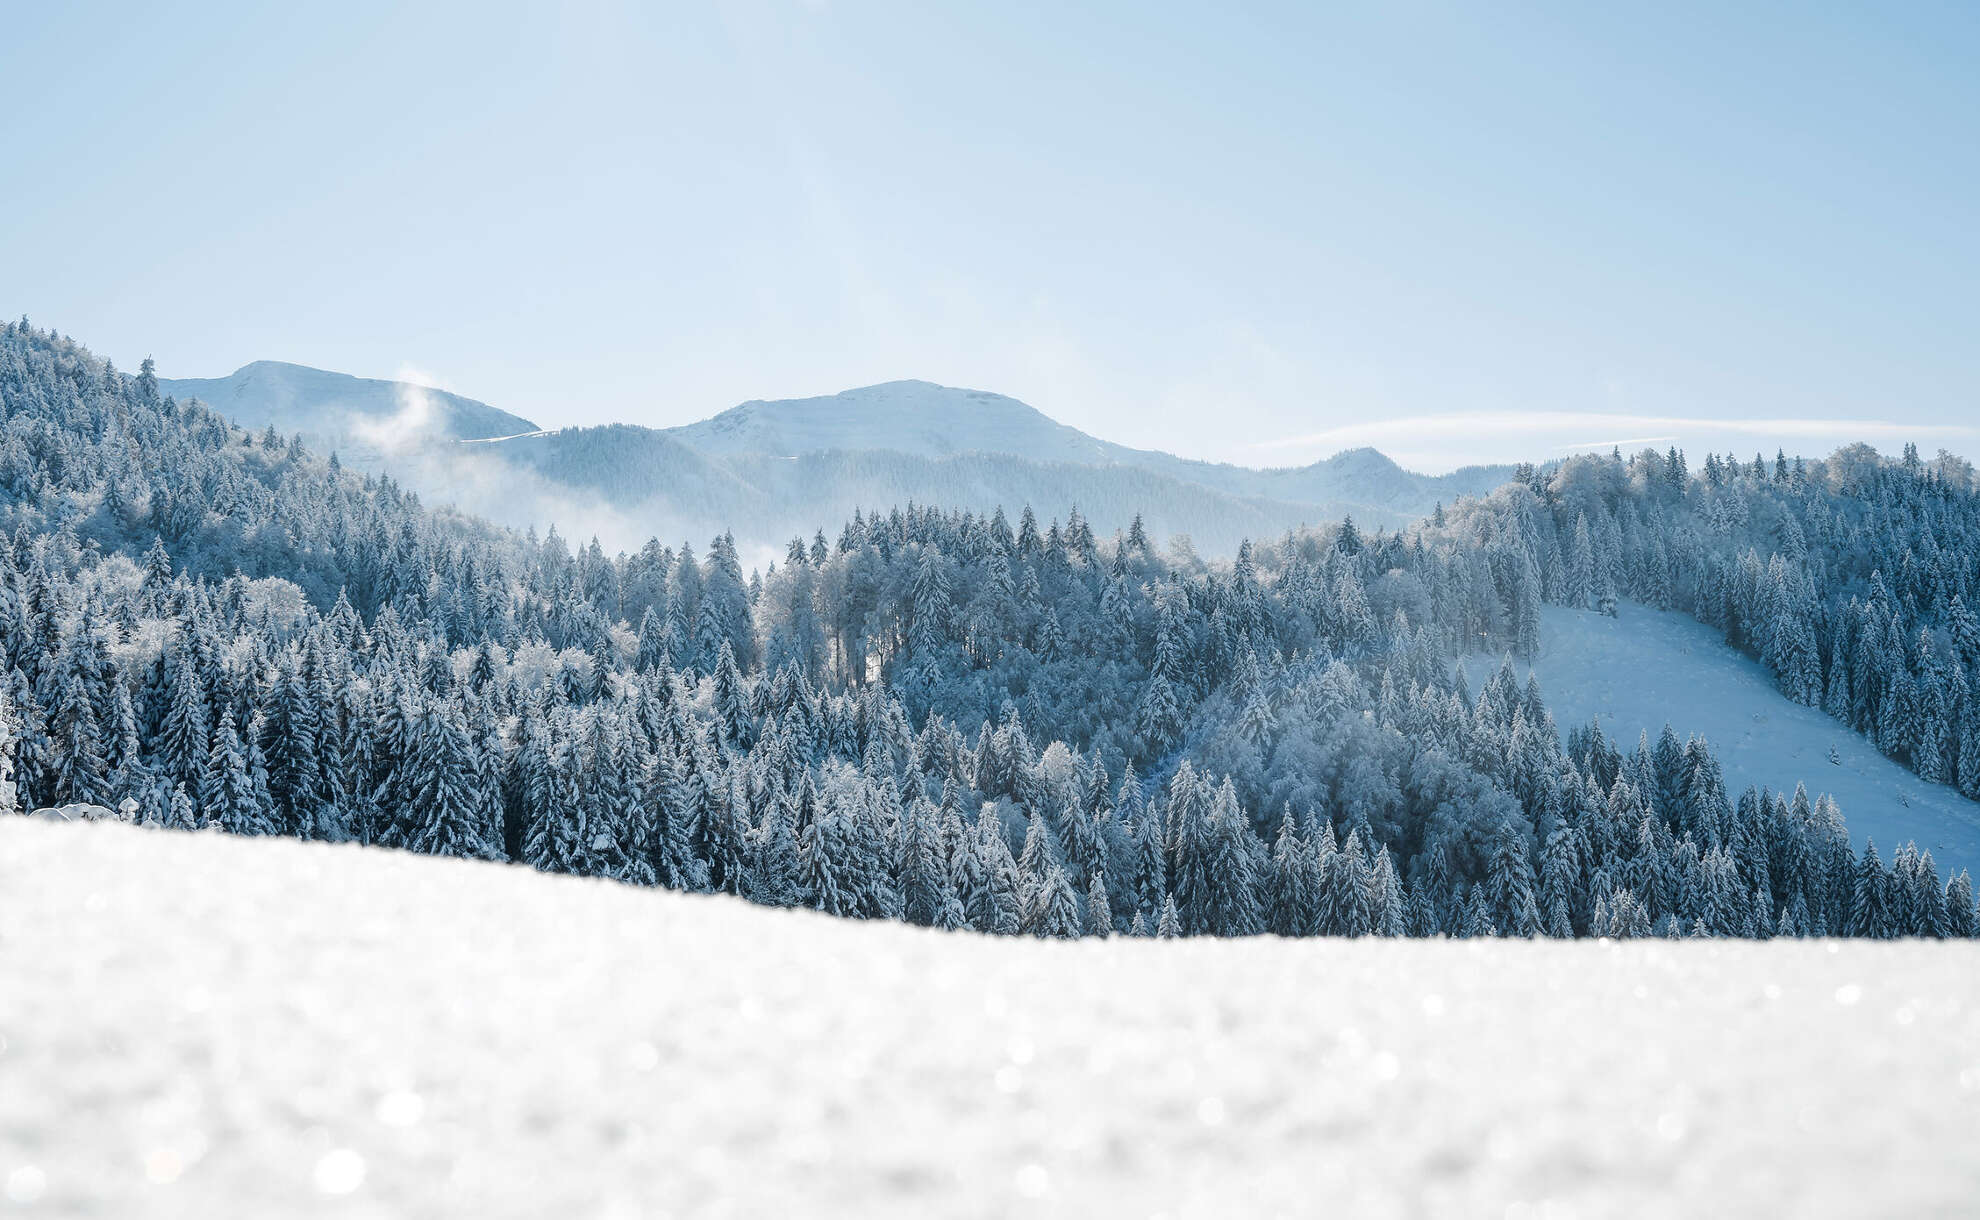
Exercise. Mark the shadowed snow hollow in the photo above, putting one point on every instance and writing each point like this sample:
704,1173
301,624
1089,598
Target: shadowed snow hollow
194,1025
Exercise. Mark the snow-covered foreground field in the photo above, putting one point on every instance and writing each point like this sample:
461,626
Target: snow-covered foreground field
201,1026
1643,668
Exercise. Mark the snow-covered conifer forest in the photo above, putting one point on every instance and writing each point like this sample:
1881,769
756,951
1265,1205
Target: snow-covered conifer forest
1001,723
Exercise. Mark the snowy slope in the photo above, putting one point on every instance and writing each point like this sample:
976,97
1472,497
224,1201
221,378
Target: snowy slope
202,1026
1643,668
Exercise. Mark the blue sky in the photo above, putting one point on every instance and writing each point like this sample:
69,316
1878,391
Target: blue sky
1256,233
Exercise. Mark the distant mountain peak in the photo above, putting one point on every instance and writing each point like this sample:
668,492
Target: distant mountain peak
1366,456
907,416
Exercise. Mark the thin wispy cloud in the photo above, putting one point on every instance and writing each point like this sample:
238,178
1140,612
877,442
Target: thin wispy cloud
415,375
411,425
1665,426
1618,443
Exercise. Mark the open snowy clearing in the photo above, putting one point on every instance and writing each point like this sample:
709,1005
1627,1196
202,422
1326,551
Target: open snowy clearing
197,1025
1645,667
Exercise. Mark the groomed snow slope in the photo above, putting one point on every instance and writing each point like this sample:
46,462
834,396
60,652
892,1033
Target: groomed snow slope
205,1026
1645,667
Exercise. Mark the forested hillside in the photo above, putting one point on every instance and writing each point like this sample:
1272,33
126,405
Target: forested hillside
1852,579
935,715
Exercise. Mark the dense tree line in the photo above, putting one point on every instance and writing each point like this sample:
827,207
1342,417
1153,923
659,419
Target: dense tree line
936,715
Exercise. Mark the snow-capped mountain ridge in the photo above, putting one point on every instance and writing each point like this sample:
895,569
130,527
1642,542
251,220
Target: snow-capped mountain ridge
768,469
910,416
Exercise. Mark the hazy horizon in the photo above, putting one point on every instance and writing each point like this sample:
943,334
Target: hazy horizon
1515,435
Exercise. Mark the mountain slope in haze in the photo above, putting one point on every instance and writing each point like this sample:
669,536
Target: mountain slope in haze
333,406
644,476
771,470
928,420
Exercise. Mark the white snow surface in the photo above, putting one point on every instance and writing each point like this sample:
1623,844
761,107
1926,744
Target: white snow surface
1645,667
194,1025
